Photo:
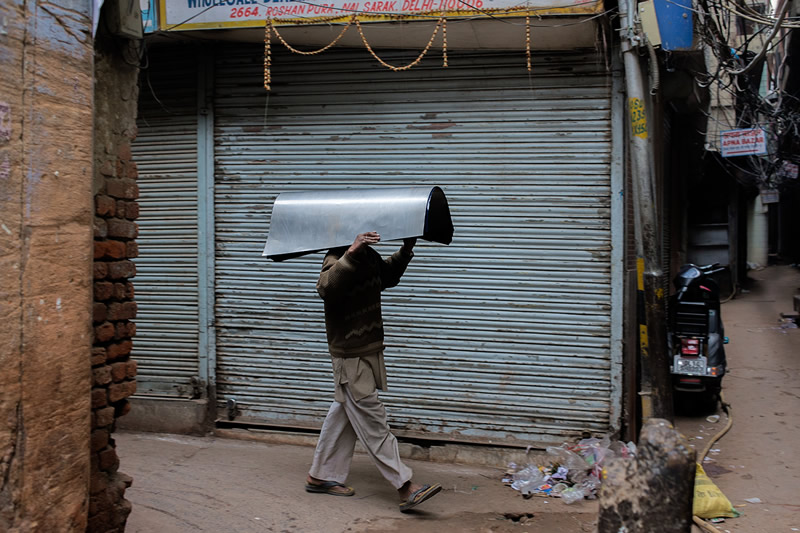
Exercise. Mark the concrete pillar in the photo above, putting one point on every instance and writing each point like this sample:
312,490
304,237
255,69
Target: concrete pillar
757,233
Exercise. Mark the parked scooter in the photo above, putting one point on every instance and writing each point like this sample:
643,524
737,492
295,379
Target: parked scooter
696,337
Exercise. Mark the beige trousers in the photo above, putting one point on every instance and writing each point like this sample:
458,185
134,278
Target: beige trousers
366,420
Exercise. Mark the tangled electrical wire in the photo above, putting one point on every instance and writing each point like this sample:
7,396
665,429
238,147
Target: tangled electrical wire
740,38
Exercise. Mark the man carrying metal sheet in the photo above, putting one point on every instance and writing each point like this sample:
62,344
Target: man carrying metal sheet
350,283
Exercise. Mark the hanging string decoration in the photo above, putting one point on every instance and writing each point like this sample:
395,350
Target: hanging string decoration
528,41
439,24
267,55
270,29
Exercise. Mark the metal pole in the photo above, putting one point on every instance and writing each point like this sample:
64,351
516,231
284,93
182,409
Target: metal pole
656,391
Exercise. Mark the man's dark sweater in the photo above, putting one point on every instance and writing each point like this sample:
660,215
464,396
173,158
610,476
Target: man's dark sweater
351,288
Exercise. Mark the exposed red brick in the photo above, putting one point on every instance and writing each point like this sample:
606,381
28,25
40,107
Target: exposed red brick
108,459
123,408
131,211
104,205
107,169
123,189
133,170
98,355
104,332
114,249
120,290
100,228
99,312
124,330
99,484
118,371
103,290
102,375
99,439
122,229
120,391
118,350
122,311
132,249
99,398
121,269
132,367
100,502
129,293
124,150
105,416
99,249
100,270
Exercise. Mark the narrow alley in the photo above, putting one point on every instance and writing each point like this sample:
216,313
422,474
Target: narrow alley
184,484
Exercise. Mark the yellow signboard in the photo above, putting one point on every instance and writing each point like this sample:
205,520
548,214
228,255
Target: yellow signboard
179,15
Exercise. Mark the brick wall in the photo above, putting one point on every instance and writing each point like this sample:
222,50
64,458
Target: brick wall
115,231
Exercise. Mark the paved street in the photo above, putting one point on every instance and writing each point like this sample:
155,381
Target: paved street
184,484
760,456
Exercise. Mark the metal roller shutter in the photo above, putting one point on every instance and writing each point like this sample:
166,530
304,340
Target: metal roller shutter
504,336
166,283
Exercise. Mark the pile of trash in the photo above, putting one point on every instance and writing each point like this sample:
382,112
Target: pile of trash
573,471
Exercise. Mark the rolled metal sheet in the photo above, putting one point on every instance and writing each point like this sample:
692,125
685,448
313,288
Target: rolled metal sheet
311,221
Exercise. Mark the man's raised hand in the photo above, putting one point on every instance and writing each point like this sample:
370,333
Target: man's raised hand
362,240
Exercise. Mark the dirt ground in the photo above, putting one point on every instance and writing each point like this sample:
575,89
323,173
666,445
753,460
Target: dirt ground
759,457
189,484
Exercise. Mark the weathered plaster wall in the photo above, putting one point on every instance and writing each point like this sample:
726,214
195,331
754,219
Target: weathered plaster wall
45,263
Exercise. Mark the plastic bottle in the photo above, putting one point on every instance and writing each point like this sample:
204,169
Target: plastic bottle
527,480
572,495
